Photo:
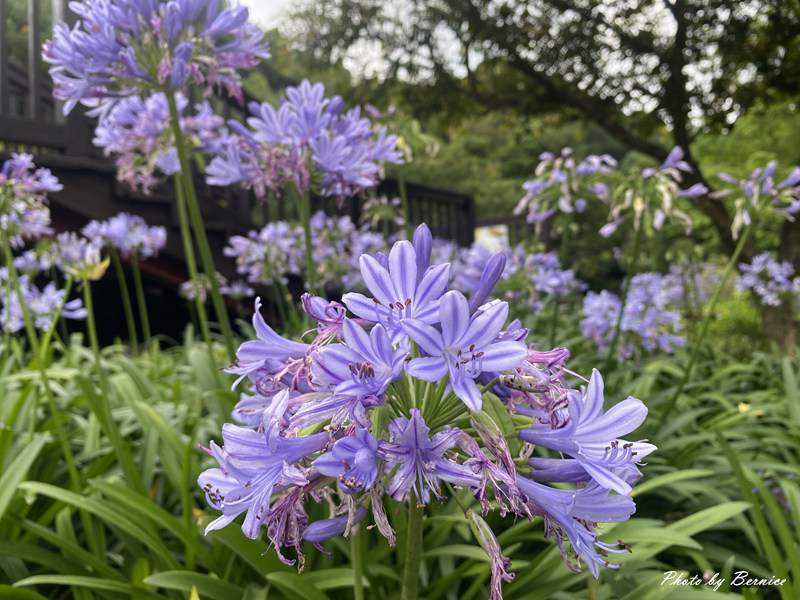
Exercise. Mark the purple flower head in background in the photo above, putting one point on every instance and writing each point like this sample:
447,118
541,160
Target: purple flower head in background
562,184
136,132
769,279
127,234
24,214
760,192
42,304
108,53
651,320
658,202
237,290
78,256
306,138
420,461
465,347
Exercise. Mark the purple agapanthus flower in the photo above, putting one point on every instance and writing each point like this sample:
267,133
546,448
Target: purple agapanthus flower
42,304
24,214
465,347
562,184
128,234
571,514
108,53
655,208
329,315
351,377
420,461
353,461
268,353
136,132
307,134
356,371
397,293
252,466
591,436
769,279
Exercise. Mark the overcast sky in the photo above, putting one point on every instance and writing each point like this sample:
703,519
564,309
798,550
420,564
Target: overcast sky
268,12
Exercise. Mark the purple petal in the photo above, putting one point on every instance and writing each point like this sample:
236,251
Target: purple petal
502,356
403,269
425,336
430,368
433,284
365,308
377,280
466,389
454,316
618,421
486,325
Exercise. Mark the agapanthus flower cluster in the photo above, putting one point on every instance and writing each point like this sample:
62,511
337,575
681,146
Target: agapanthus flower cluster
269,256
651,320
382,213
199,287
309,139
24,214
42,304
564,184
335,420
759,192
653,198
122,48
137,133
79,256
769,279
127,234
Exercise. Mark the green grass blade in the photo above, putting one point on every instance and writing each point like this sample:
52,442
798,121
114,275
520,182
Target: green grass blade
17,471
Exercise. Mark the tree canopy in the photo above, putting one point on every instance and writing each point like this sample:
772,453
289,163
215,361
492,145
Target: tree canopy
651,73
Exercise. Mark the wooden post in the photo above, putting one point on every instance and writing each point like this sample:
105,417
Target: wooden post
3,57
34,60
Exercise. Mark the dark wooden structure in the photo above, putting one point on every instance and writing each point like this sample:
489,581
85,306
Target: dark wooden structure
31,121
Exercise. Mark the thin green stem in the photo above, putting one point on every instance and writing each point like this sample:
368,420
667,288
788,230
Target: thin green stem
44,344
304,206
191,264
144,317
698,342
127,309
632,268
196,219
357,560
413,549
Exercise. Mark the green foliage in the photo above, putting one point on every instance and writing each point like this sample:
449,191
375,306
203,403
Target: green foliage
694,513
